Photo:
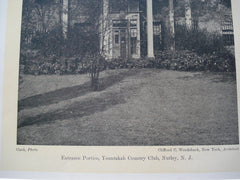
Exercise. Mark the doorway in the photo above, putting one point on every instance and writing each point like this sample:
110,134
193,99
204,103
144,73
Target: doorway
123,47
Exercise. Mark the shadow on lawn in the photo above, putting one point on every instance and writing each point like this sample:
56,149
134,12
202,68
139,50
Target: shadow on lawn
71,92
215,77
83,108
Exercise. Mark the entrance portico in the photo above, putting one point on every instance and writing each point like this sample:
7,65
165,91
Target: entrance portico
130,30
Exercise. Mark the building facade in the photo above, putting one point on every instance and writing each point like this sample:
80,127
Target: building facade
127,28
120,29
135,28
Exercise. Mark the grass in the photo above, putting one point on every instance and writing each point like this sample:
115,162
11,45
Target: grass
133,107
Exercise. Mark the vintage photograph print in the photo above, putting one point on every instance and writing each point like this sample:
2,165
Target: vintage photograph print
127,73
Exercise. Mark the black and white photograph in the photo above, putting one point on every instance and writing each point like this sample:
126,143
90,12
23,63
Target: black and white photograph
127,73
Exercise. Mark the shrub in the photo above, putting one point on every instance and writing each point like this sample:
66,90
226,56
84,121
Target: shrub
185,60
199,41
206,46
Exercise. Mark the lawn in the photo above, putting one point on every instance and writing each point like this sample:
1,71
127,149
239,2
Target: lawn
132,107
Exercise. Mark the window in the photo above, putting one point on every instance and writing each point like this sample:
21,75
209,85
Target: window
133,22
116,37
195,24
157,29
157,38
228,39
133,34
227,32
119,23
227,26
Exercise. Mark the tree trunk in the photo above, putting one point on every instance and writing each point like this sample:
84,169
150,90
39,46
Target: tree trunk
69,17
60,11
65,18
172,28
188,14
95,70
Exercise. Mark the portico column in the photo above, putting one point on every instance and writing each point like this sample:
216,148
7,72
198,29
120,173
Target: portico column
150,46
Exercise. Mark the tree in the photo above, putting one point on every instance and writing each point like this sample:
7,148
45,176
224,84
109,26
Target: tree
28,22
45,12
82,38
